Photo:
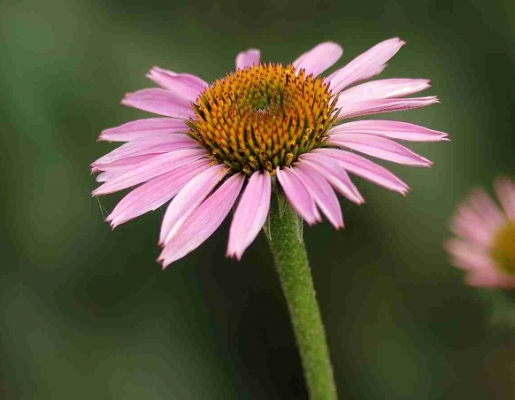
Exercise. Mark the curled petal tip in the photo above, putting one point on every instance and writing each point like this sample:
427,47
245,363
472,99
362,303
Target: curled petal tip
163,263
398,40
234,255
126,97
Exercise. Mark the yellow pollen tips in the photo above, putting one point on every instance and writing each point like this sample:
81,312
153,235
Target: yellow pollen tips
263,117
503,248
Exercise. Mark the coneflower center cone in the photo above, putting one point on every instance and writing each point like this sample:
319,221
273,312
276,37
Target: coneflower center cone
263,117
503,248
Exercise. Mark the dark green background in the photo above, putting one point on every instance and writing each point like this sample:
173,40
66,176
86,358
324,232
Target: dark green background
86,313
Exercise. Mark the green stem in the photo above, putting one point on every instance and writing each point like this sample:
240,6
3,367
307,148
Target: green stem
291,261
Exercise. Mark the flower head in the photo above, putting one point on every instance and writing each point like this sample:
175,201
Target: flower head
486,247
227,142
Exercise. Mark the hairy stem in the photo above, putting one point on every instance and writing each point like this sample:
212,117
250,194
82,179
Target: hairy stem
292,265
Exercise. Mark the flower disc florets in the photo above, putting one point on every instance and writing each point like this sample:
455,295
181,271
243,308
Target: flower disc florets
263,117
503,248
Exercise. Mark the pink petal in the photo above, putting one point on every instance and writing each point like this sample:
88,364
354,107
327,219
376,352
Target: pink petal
123,164
483,279
482,270
382,89
160,101
143,128
390,129
186,85
319,58
379,147
469,256
157,144
366,65
490,278
467,225
105,176
334,173
384,105
298,195
206,219
155,193
250,214
247,58
322,192
484,230
506,192
485,207
188,199
366,169
150,169
373,73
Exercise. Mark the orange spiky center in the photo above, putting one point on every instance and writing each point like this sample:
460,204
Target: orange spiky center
263,117
503,248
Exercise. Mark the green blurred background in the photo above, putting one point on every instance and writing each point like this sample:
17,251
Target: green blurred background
87,313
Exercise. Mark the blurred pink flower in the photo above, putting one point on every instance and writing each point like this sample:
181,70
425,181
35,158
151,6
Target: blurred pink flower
260,123
486,244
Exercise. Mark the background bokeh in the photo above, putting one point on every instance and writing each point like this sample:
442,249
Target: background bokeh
87,313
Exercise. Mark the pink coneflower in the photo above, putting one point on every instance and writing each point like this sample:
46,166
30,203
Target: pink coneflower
230,141
486,247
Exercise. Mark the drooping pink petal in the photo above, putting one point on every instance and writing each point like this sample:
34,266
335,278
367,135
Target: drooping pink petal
319,58
467,224
366,65
142,128
490,278
379,147
248,58
298,195
105,176
186,85
384,105
486,209
156,144
155,193
485,278
111,173
476,218
160,101
469,256
366,169
206,219
506,191
334,173
150,169
121,165
382,89
322,192
390,129
188,199
250,214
